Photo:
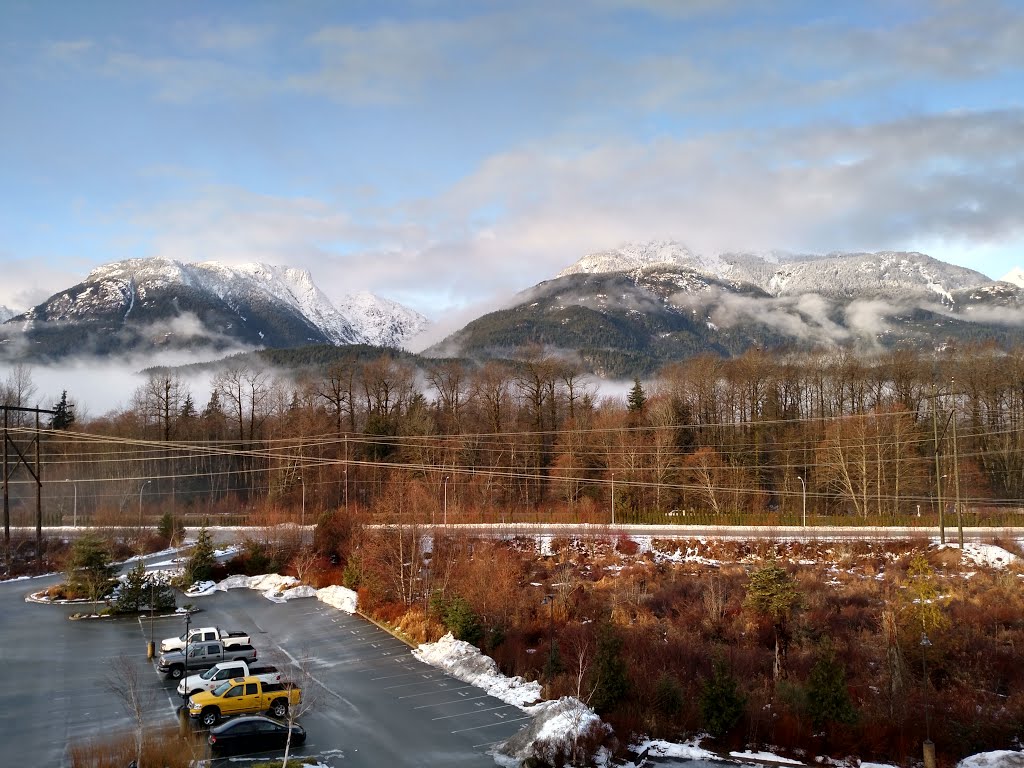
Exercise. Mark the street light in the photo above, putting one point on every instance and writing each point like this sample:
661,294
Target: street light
141,488
803,488
74,522
184,674
446,478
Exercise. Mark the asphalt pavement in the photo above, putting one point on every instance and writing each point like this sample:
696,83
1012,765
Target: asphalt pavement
372,702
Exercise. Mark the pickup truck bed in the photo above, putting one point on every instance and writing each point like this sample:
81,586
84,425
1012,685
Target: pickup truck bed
203,656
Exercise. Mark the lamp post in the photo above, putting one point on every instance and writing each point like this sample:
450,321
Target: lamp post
151,648
184,674
141,489
74,519
446,478
803,489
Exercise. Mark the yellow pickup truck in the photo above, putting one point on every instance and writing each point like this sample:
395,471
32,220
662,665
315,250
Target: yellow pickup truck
243,696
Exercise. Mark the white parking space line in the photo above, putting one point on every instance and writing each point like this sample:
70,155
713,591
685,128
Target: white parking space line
434,693
452,701
491,725
474,712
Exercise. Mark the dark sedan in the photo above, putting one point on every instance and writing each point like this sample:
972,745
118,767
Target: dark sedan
253,733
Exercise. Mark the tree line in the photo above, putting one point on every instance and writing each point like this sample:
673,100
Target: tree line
827,433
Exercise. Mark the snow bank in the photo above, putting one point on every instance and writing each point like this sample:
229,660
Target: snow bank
689,750
465,662
555,728
764,757
272,585
339,597
999,759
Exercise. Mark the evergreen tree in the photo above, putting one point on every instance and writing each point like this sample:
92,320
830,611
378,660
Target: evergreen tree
170,529
721,703
134,590
828,699
90,570
610,679
637,397
773,594
188,408
63,413
201,561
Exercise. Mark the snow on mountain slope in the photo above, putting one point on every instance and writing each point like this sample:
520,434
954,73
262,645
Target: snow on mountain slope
275,293
6,314
1015,276
380,321
846,275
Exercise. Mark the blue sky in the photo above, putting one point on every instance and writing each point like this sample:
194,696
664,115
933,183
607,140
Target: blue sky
445,154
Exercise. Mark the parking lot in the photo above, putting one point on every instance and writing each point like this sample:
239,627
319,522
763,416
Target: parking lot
373,702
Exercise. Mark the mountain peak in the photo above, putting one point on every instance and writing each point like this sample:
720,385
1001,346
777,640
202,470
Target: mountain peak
135,303
1015,276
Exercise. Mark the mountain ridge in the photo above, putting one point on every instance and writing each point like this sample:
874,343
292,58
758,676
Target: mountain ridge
152,303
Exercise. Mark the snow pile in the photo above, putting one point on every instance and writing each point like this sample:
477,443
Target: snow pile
554,731
465,662
763,757
272,585
338,597
689,750
988,555
290,594
999,759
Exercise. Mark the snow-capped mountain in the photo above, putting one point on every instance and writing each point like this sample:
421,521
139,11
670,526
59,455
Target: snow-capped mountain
847,275
629,310
380,321
6,314
140,303
1015,276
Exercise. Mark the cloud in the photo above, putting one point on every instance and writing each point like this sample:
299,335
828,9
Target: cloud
184,79
68,49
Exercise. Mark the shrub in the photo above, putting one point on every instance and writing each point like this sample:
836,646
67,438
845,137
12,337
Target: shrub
721,703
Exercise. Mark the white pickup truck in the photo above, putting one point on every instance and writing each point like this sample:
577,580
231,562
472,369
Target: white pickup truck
226,670
202,634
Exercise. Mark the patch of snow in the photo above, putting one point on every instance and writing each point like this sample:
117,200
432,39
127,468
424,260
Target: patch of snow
1003,758
465,662
986,555
342,598
764,757
556,726
690,750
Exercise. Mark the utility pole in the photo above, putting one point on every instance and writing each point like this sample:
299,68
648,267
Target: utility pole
35,469
956,483
938,470
613,498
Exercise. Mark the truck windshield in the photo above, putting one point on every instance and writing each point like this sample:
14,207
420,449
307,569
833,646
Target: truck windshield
208,674
220,689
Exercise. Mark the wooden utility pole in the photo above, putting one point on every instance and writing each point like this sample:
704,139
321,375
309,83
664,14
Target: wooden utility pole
938,468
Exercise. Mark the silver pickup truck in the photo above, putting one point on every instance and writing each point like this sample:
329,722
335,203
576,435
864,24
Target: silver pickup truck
203,656
227,670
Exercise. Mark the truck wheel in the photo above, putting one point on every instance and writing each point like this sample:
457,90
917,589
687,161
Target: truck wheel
279,708
176,673
209,717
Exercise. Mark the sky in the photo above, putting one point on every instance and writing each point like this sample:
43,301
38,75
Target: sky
447,154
